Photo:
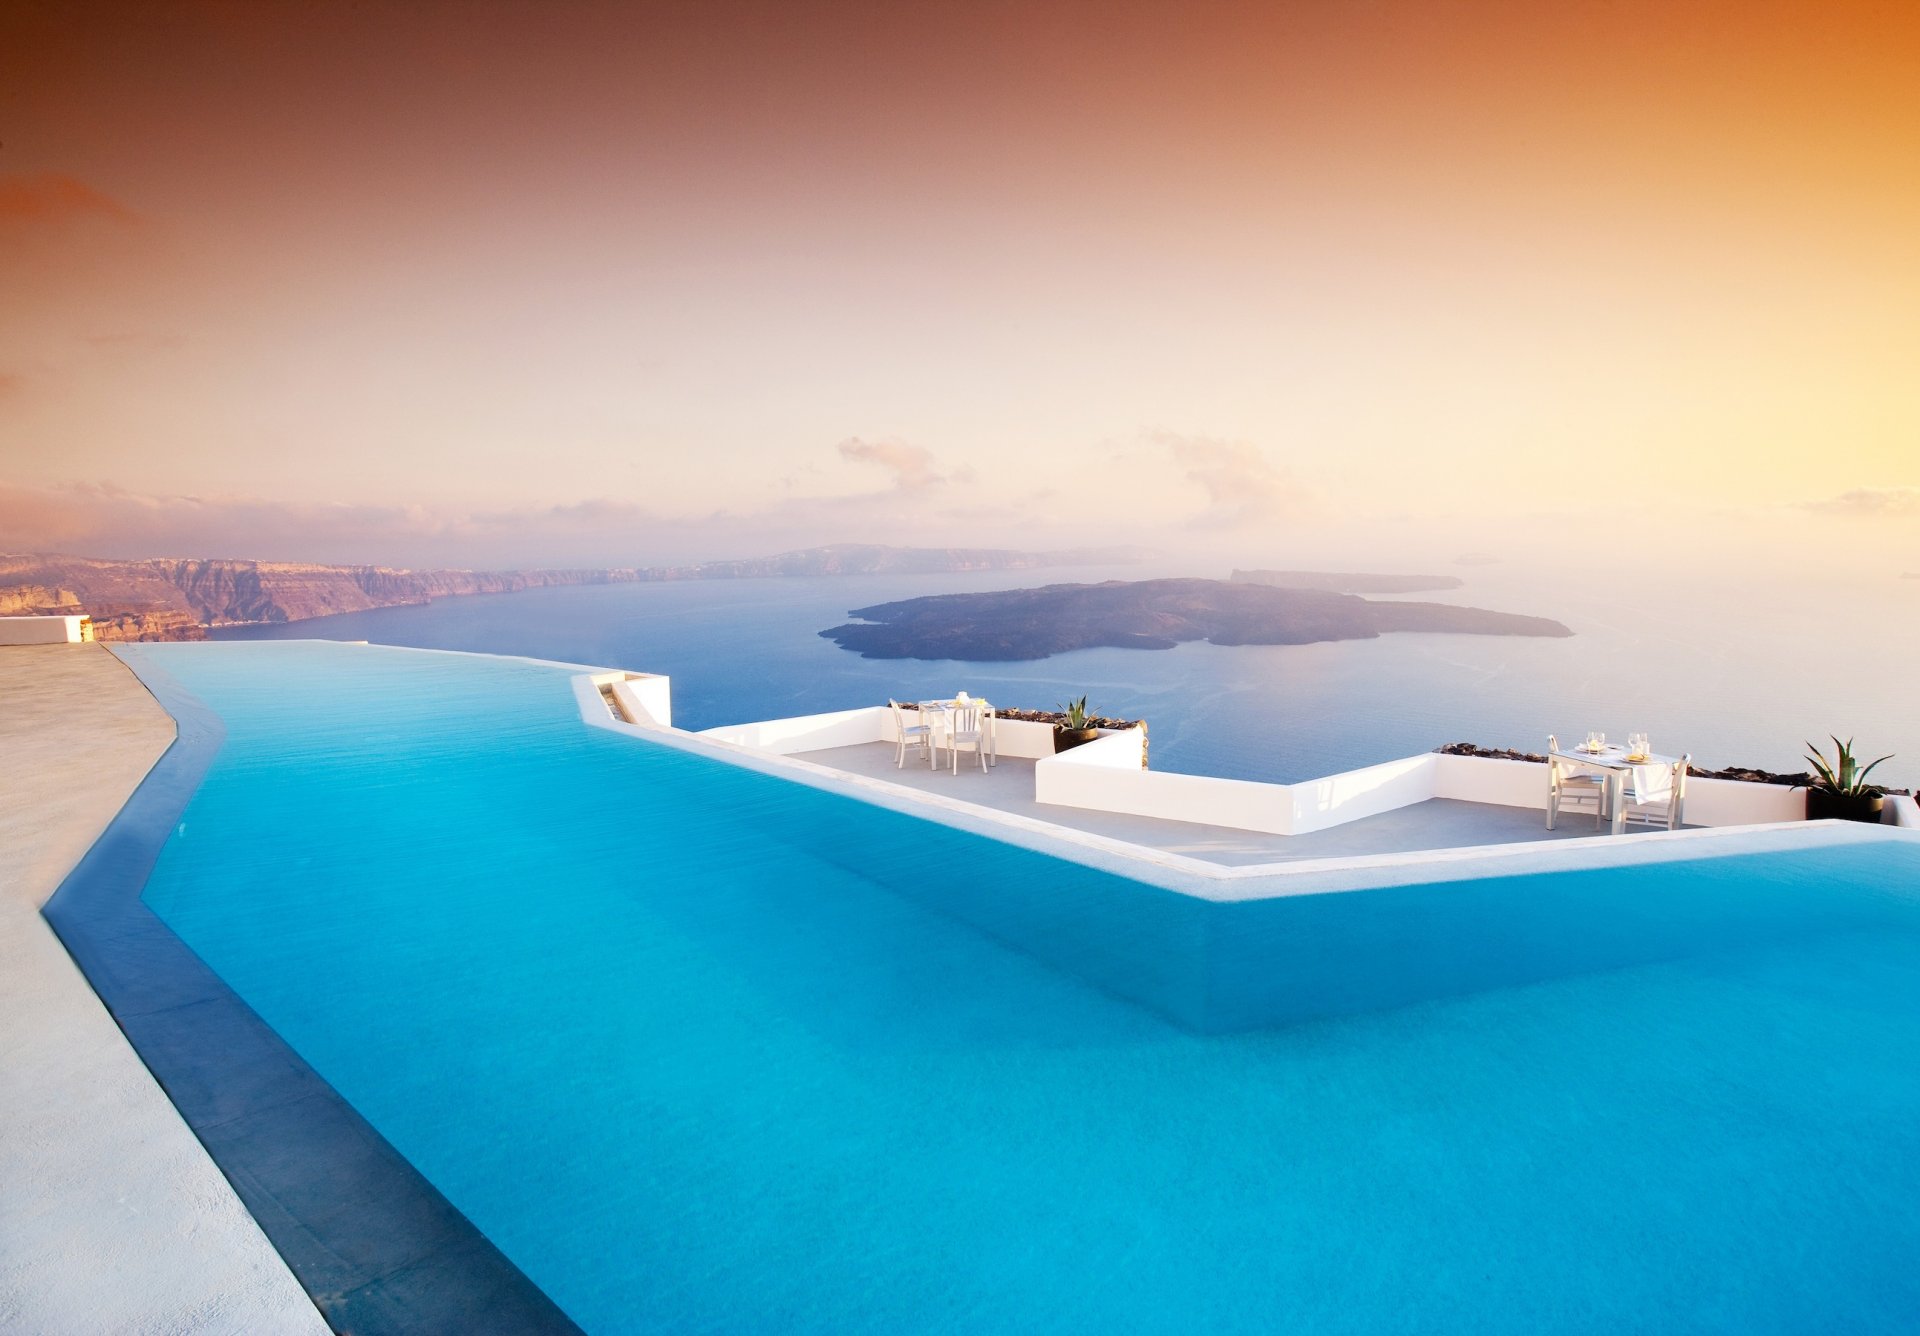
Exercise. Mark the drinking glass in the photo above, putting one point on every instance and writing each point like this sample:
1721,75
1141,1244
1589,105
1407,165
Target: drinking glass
1637,744
1596,742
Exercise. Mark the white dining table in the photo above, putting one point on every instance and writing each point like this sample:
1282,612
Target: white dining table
939,713
1648,774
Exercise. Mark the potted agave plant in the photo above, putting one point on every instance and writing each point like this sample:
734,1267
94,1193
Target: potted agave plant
1838,789
1077,730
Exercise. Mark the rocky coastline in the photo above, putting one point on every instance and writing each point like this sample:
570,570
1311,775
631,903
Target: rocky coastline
167,598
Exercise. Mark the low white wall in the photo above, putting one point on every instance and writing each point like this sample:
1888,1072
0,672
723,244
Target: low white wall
1487,779
644,698
1900,810
1023,738
874,723
1108,775
1709,802
1093,777
1105,775
44,630
811,732
1732,802
1322,803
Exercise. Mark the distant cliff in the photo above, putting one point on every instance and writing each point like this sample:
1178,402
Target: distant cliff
1020,624
170,598
1349,582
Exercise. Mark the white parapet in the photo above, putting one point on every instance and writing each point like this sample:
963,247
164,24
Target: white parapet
645,699
1098,777
810,732
1710,802
873,723
1105,775
1319,804
1109,775
60,630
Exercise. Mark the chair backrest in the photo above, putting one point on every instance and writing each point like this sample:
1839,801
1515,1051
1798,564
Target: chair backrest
965,717
1559,771
1680,775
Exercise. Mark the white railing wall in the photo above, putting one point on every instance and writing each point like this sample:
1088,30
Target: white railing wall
1107,775
53,630
1092,781
643,698
873,723
811,732
1322,803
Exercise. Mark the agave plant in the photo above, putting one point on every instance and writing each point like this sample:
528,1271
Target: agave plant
1843,776
1076,712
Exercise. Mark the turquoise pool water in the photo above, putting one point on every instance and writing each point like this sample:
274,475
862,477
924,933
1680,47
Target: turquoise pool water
702,1050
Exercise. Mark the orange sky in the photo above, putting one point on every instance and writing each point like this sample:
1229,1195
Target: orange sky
521,284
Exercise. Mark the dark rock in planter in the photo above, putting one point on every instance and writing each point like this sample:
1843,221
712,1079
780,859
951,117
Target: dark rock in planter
1823,805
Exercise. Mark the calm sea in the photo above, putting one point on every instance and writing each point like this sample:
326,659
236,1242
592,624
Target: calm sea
1733,674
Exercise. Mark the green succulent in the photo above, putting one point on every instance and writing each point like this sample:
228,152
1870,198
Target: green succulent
1076,712
1844,775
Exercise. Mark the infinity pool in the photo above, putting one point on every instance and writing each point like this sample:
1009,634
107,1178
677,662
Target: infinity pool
699,1049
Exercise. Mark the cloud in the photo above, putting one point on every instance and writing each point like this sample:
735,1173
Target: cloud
596,514
102,520
53,198
911,466
1243,489
1869,503
948,508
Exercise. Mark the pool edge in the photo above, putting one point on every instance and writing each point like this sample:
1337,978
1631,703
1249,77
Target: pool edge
376,1246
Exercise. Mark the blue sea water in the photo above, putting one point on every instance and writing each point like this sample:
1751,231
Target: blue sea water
1733,670
695,1067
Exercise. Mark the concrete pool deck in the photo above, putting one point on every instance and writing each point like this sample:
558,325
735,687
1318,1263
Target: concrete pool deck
112,1215
1438,823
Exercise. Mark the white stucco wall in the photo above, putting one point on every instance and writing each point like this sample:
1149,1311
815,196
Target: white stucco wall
43,630
644,698
1107,776
810,732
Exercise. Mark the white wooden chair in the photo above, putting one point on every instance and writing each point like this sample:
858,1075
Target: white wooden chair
1667,810
967,727
919,735
1572,786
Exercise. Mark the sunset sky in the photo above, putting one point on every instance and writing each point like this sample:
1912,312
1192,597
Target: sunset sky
535,284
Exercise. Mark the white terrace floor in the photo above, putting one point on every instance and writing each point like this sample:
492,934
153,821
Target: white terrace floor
1439,823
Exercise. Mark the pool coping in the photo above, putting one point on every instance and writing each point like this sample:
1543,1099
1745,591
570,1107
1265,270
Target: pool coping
375,1245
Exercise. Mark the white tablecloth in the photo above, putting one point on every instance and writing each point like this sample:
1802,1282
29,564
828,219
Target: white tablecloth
1648,781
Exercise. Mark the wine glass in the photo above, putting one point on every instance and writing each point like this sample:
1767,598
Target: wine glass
1596,741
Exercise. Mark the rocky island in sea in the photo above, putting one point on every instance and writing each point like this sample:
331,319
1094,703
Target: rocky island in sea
1018,624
